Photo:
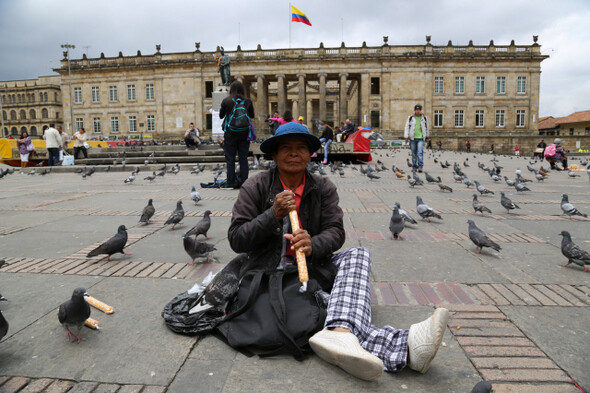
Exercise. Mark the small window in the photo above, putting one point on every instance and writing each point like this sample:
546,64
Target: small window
521,85
45,97
14,131
438,118
149,91
151,123
4,116
32,97
501,85
32,114
208,121
208,89
13,115
131,92
79,123
55,97
33,131
587,131
375,88
500,118
479,118
114,125
113,94
44,113
571,131
23,114
459,118
95,94
77,95
96,125
375,119
480,84
460,85
520,118
438,85
132,124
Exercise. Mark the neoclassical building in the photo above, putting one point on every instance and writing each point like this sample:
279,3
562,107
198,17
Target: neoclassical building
29,104
479,89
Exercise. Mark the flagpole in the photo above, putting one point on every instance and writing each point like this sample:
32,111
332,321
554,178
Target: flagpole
289,25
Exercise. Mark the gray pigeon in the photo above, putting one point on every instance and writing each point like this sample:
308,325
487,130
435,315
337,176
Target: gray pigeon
467,181
114,245
482,190
519,186
424,210
195,196
202,226
411,181
479,238
509,182
151,177
371,176
478,206
196,249
419,181
570,209
507,203
405,214
221,289
3,326
431,179
396,223
130,179
73,313
572,252
148,212
444,188
176,216
482,387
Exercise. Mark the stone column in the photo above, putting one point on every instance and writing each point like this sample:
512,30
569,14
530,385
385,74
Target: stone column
309,115
302,99
365,89
322,76
281,94
261,100
343,108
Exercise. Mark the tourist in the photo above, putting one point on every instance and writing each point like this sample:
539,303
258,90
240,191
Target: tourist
235,141
348,340
516,150
468,145
65,138
300,120
541,145
326,139
53,144
416,130
80,143
558,155
286,118
492,148
273,125
192,137
347,129
23,147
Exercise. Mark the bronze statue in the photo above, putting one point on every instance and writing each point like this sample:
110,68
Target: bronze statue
224,71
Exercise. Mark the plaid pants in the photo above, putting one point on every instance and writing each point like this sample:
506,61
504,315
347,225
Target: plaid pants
349,306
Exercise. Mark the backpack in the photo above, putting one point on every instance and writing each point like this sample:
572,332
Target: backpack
238,120
549,151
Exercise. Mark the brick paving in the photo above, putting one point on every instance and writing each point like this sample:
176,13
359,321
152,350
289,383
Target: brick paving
49,385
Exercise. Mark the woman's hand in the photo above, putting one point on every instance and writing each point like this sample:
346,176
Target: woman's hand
300,240
284,203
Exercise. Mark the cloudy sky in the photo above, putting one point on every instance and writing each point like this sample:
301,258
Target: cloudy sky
31,31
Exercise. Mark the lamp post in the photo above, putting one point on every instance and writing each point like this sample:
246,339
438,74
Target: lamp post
67,48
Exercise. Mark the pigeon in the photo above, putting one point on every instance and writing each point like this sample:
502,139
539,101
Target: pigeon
457,177
467,181
341,172
196,249
114,245
161,173
130,179
3,326
425,211
479,238
478,206
176,216
509,182
418,179
108,168
84,172
520,187
2,298
91,171
507,203
539,177
482,190
222,288
431,179
570,209
398,174
73,313
444,188
195,196
572,252
396,224
202,226
151,178
147,213
34,171
405,214
482,387
370,175
411,181
572,174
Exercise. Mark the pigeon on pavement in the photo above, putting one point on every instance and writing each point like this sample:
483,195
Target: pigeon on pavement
370,175
482,387
509,182
479,238
73,313
151,177
131,178
405,214
425,211
3,326
467,181
195,196
507,203
221,289
176,216
114,245
519,186
570,209
147,213
444,188
572,252
478,206
482,190
431,179
396,223
411,181
196,249
202,226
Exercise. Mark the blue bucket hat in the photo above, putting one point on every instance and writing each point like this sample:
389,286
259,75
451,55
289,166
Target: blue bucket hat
290,130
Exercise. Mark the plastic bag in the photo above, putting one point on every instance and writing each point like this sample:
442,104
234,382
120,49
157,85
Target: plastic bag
177,317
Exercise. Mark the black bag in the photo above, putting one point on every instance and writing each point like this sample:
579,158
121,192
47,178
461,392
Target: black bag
177,318
271,314
238,120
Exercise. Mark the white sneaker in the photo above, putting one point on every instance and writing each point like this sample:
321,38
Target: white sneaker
343,349
424,340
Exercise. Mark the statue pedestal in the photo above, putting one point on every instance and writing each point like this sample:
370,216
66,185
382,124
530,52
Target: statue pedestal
218,95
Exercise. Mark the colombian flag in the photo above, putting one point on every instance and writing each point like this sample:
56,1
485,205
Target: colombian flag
298,16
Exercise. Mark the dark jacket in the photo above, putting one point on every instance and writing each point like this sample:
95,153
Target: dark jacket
327,133
255,230
227,105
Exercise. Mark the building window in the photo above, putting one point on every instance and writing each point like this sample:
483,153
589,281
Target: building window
438,118
208,89
500,118
55,97
13,115
459,118
96,125
132,124
131,92
77,95
114,125
375,88
113,94
149,91
4,116
520,122
571,131
34,131
501,85
32,97
44,113
439,85
587,130
95,94
374,119
23,114
45,97
79,123
479,118
151,123
521,85
208,121
460,85
480,84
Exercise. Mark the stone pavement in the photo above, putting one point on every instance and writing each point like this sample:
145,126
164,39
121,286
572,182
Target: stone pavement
519,319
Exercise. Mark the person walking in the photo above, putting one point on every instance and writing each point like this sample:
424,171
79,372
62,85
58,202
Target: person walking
53,143
468,145
79,143
235,141
24,144
416,131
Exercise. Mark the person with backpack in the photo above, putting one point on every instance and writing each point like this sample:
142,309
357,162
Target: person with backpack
416,131
237,113
555,153
260,228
